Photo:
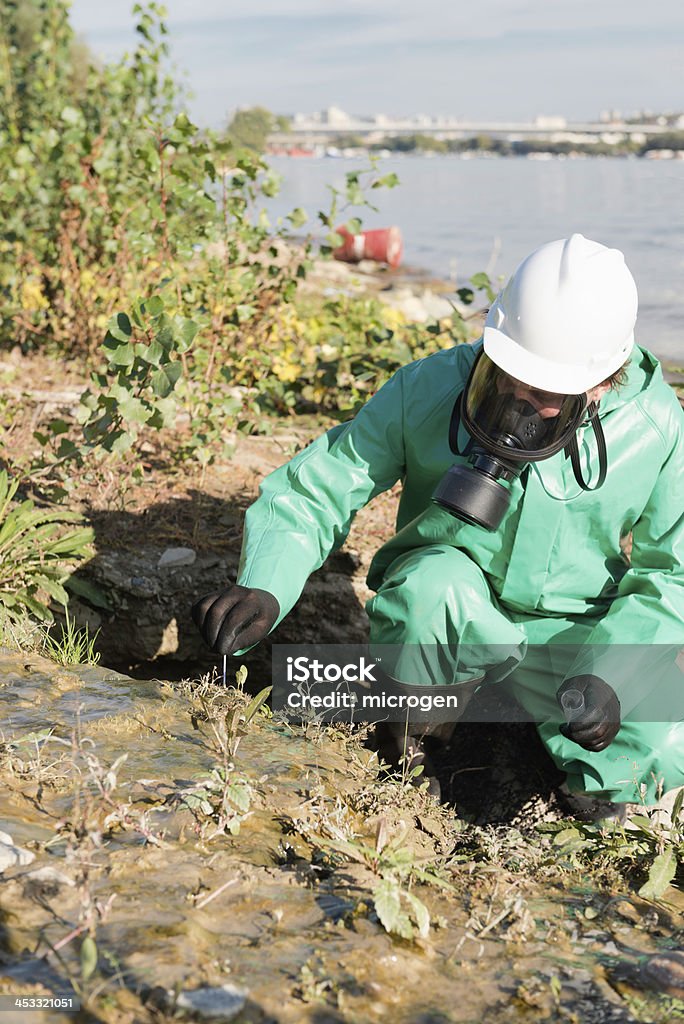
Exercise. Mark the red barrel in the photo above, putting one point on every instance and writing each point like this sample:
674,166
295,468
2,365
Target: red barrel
384,245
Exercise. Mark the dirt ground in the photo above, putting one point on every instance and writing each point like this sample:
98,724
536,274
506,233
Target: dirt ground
165,847
491,773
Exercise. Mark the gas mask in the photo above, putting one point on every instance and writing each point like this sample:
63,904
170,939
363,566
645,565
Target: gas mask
510,425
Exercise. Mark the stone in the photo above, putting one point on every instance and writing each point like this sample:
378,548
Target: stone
404,300
222,1002
168,643
665,972
436,306
12,856
49,874
172,558
5,837
142,586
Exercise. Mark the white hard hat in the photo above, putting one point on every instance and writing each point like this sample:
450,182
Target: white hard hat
565,320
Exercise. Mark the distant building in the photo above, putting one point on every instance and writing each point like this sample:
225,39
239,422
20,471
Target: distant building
336,118
550,123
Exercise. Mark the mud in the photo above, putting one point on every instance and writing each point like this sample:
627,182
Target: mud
222,852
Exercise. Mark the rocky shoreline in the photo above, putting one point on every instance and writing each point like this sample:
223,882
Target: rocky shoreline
412,291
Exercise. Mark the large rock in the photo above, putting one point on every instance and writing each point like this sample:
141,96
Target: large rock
142,607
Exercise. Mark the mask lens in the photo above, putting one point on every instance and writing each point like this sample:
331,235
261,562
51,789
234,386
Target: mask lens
514,419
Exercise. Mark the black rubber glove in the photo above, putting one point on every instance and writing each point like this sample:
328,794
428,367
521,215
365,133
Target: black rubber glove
235,618
597,724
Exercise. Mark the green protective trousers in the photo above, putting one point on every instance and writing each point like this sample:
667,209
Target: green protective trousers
553,572
436,620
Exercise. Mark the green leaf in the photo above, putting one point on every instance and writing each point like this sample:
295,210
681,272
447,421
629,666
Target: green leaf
165,332
567,835
70,115
164,414
185,333
154,306
121,442
120,327
421,914
387,181
663,870
644,824
387,900
482,283
32,738
387,904
239,794
55,590
355,196
151,354
88,591
244,312
184,125
256,703
164,380
118,354
88,957
134,411
298,217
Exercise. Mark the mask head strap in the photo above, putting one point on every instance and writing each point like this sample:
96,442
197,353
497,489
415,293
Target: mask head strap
572,451
455,426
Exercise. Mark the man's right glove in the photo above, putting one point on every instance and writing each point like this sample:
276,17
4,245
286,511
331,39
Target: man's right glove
597,723
235,618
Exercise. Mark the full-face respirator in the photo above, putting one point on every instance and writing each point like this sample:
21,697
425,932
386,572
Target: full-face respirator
510,425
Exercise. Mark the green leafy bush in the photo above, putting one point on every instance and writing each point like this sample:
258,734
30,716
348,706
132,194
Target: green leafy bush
120,218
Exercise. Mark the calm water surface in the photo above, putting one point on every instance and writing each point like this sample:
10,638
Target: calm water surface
460,216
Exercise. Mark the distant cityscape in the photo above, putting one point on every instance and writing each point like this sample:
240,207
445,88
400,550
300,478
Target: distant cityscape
332,130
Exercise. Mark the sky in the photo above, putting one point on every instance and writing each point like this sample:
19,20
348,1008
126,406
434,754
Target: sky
487,59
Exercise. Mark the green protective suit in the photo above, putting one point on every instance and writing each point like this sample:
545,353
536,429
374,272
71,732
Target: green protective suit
552,574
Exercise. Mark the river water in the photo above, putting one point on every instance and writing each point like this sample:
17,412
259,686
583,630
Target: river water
460,216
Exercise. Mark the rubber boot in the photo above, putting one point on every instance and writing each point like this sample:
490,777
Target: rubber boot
403,747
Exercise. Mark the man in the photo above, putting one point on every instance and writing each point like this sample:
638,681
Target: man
527,460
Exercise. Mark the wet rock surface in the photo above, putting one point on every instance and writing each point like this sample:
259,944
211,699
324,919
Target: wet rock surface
205,855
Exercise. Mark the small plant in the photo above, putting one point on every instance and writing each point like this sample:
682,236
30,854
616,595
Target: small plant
35,554
644,845
225,796
93,814
398,909
73,647
229,726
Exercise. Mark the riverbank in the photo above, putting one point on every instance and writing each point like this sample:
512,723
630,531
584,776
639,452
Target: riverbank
492,152
172,851
216,855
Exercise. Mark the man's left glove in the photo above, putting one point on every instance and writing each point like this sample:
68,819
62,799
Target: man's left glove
235,618
594,725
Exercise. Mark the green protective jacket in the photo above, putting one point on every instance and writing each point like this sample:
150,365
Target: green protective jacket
557,551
